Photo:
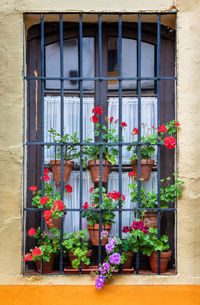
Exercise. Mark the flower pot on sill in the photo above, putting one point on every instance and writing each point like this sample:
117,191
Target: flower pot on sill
55,223
146,168
164,259
47,266
94,166
56,169
151,219
94,233
129,261
72,257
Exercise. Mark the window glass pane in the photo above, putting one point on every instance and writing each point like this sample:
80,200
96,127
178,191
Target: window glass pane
129,63
71,64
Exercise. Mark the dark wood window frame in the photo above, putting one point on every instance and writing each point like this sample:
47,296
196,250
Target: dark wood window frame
90,30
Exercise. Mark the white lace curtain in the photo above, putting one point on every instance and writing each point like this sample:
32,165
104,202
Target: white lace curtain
72,124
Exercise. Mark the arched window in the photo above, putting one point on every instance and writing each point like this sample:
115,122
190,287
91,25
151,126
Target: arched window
98,68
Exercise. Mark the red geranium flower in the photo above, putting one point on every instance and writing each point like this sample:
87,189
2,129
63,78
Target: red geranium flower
33,188
162,128
124,124
28,257
111,119
170,142
97,110
94,119
46,178
68,188
131,174
135,131
58,204
46,171
126,229
86,205
31,232
47,216
176,124
36,252
93,205
92,188
44,200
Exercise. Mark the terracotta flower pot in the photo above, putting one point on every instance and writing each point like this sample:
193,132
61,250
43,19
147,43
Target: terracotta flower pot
164,259
151,219
47,266
94,166
72,257
56,169
94,233
55,223
146,167
128,262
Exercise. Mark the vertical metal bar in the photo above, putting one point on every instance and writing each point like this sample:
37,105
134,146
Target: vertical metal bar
42,118
100,119
158,122
139,121
176,157
61,132
81,118
120,124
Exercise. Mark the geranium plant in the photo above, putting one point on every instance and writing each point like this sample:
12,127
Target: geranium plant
109,134
72,151
149,200
77,244
53,203
164,133
109,203
45,246
111,263
141,237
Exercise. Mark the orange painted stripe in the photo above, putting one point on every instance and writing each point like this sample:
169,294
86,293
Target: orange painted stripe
109,295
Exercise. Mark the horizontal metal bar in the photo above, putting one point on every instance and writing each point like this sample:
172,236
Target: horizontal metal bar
99,78
102,13
103,210
92,144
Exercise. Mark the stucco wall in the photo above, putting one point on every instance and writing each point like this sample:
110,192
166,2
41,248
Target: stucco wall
11,135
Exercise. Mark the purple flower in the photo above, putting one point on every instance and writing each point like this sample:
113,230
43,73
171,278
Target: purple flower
100,282
104,268
109,247
115,258
114,240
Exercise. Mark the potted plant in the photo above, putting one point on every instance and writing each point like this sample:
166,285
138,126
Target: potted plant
109,153
76,246
68,155
164,133
45,250
149,200
111,263
152,245
53,203
109,202
144,238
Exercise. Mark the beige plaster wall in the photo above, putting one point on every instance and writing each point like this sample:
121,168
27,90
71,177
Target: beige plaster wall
11,135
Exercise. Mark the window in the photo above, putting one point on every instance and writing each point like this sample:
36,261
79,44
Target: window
123,64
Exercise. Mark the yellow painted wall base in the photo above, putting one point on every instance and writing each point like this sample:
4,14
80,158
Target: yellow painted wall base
115,295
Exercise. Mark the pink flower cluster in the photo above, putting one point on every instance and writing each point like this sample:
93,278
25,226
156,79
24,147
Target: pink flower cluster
136,225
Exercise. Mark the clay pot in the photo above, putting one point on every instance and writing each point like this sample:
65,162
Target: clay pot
151,219
146,167
164,259
128,262
56,169
94,233
94,166
55,223
47,266
72,257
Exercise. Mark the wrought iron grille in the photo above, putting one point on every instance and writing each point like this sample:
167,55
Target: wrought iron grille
39,145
